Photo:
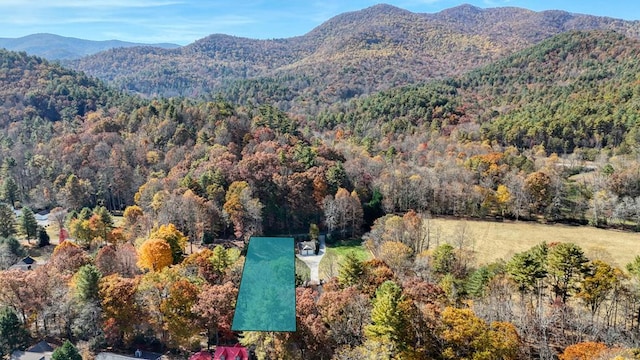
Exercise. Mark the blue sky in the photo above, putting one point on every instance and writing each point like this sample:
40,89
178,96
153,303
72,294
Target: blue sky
184,21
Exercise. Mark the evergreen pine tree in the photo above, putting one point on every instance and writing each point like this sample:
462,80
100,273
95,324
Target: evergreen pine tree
478,282
13,335
87,281
66,352
43,237
7,221
10,191
351,270
387,318
28,224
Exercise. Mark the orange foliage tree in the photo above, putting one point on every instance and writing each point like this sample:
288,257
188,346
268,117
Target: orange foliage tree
583,351
155,254
174,238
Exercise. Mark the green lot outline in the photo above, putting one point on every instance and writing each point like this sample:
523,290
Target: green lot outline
267,296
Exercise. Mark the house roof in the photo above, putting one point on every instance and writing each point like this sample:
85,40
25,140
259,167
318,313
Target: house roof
27,263
41,347
28,260
231,352
28,355
307,245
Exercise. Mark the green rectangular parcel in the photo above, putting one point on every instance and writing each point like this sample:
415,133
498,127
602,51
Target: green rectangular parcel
267,296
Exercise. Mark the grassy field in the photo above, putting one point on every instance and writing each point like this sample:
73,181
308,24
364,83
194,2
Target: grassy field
335,252
492,241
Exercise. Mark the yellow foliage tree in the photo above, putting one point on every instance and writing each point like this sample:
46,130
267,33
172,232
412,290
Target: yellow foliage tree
172,236
395,254
155,254
503,197
177,311
133,219
467,336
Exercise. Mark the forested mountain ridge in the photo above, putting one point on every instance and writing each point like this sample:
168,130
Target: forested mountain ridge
31,88
577,89
55,47
351,54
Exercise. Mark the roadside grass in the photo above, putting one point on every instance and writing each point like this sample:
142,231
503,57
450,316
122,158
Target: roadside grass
492,241
302,270
331,260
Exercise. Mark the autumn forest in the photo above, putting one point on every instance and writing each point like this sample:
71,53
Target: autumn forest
160,184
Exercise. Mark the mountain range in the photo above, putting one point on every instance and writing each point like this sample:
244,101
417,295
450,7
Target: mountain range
55,47
348,56
352,54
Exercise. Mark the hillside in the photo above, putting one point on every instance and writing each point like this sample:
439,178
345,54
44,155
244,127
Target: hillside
55,47
34,89
350,55
577,89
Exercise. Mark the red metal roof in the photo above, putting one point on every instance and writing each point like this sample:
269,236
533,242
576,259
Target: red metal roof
231,353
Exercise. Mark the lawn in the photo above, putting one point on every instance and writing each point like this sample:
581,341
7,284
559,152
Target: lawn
492,241
336,252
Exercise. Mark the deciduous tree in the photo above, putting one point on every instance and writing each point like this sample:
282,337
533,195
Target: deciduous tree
118,300
538,188
599,280
68,257
244,211
395,254
155,254
583,351
214,308
172,236
178,313
346,312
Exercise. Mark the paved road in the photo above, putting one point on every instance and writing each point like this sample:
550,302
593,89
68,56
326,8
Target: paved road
313,261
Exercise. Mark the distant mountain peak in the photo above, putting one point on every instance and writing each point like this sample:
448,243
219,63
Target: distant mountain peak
385,8
465,8
56,47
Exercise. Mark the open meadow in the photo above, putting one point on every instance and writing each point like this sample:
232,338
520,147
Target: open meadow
492,241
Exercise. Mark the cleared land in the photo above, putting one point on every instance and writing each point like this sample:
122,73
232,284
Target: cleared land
330,262
492,241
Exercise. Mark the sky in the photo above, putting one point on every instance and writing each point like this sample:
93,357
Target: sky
184,21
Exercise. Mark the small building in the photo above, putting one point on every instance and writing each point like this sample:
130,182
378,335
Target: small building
25,264
39,351
307,248
236,352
